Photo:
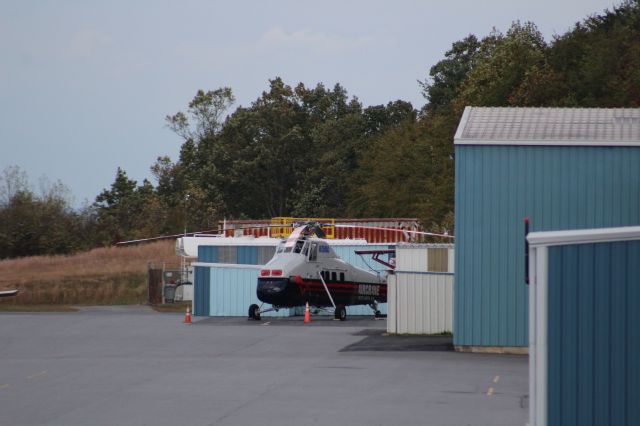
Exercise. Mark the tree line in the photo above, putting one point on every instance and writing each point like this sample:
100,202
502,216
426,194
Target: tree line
316,151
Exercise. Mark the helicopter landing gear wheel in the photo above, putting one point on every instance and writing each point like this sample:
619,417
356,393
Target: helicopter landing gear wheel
340,313
254,312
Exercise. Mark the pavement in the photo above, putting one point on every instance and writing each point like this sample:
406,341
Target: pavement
130,365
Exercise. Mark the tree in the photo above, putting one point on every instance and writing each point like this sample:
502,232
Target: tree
206,111
394,174
447,76
499,73
128,211
598,62
38,225
12,181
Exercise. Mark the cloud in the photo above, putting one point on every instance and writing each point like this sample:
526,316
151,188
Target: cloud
277,37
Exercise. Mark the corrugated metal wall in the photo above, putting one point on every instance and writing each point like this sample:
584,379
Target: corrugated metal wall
420,303
201,289
557,188
420,292
594,334
233,290
240,255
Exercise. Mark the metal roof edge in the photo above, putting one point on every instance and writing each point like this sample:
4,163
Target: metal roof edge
235,241
550,142
227,265
272,242
410,246
583,236
463,123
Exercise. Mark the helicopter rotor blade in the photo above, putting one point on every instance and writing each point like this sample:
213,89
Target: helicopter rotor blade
165,237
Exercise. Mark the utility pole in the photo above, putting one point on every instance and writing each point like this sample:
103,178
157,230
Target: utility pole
183,266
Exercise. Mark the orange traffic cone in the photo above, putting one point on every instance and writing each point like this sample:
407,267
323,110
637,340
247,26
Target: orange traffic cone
307,314
187,316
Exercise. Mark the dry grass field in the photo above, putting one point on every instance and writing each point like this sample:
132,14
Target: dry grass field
112,275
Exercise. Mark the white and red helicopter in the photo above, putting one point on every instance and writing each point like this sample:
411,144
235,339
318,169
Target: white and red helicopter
305,269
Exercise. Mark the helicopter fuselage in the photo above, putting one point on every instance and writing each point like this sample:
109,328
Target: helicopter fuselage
308,270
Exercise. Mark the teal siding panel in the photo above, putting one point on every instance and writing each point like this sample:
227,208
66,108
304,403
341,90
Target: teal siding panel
602,324
248,255
632,407
208,254
594,334
557,188
201,291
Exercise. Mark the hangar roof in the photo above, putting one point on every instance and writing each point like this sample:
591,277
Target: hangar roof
549,126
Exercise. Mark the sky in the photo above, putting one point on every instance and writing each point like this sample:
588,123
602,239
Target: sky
85,86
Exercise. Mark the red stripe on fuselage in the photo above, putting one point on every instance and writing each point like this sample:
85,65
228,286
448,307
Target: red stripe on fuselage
336,287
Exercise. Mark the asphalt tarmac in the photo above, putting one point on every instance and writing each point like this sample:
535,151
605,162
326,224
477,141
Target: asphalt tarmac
133,366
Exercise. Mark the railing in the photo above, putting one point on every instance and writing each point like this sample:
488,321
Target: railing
283,231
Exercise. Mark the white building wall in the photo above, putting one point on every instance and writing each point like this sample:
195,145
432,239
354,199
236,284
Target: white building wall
420,301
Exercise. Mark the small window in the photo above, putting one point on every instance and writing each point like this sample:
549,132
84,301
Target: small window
334,277
342,276
305,249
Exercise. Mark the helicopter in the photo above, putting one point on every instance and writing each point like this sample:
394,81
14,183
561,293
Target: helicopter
305,269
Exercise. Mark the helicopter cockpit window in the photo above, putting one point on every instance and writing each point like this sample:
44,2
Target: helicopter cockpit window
313,252
305,249
298,247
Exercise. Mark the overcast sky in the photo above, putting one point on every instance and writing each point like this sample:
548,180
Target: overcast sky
85,86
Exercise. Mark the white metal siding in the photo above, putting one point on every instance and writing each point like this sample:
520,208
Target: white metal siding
414,260
415,257
420,303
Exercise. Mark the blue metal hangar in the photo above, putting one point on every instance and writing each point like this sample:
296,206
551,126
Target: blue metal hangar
563,168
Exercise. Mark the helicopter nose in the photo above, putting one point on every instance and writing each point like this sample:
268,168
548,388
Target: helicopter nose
272,285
